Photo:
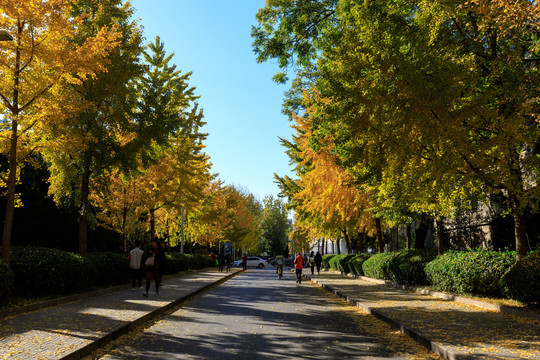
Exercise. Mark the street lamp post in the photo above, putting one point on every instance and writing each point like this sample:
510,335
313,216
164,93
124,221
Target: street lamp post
4,36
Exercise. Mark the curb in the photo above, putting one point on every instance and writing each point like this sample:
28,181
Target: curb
72,298
450,297
115,334
396,325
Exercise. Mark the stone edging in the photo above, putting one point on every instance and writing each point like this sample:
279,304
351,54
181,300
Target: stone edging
71,298
107,338
450,297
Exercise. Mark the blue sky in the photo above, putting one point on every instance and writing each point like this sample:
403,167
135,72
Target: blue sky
242,105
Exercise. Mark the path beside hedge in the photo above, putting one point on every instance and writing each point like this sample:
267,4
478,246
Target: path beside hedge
451,329
74,330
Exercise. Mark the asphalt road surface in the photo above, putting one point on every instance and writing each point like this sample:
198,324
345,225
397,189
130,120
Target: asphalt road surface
256,316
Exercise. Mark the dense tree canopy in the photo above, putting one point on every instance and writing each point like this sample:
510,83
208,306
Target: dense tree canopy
429,106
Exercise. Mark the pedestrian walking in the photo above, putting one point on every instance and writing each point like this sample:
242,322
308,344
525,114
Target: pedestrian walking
244,262
135,261
221,261
311,262
298,266
318,262
228,261
152,272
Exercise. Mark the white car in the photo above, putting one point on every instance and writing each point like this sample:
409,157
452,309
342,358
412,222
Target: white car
252,261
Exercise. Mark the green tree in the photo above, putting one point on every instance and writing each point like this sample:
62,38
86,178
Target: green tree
275,226
83,146
168,116
37,67
429,104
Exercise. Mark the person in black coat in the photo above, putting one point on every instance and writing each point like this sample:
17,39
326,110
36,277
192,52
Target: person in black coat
318,262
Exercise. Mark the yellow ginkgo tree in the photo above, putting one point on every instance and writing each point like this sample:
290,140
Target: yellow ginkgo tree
35,69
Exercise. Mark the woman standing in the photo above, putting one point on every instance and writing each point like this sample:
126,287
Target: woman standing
152,272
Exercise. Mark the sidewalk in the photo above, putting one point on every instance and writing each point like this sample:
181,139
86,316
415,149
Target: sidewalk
452,329
74,330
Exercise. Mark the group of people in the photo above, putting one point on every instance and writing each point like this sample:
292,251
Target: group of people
223,261
314,260
154,261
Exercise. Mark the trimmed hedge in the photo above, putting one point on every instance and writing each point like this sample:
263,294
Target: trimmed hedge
522,281
7,279
108,268
377,266
38,271
341,262
326,261
355,264
470,272
43,271
407,267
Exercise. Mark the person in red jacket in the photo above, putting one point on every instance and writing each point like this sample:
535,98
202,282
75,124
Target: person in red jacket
298,266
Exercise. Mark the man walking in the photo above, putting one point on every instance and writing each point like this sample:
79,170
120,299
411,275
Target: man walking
135,260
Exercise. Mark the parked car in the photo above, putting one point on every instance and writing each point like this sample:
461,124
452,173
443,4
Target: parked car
252,261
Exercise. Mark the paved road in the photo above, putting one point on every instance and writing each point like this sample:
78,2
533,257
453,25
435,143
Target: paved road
256,316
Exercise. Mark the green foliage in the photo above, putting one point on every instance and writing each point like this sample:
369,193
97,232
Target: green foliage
407,267
470,272
341,262
7,279
108,268
275,226
522,281
176,262
326,260
42,271
377,266
356,263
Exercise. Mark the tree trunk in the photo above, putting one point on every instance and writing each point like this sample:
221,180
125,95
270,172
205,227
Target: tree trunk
347,241
440,235
10,204
421,233
12,158
124,222
520,230
83,212
409,236
361,241
380,243
182,230
152,224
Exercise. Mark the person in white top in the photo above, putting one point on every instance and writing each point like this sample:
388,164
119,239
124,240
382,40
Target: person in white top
135,260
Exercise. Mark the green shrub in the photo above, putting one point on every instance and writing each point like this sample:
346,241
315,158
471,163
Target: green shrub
108,268
407,267
42,271
7,279
334,262
326,261
341,262
470,272
174,263
206,261
356,263
377,266
522,281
